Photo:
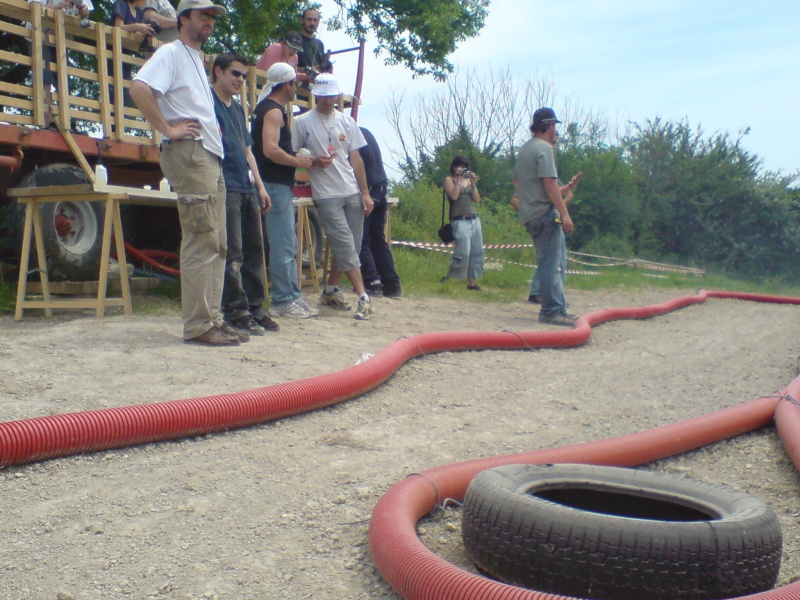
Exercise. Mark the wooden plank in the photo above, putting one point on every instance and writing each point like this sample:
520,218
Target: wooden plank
19,119
13,57
12,101
23,261
62,119
73,146
50,190
118,99
11,88
102,75
38,64
89,288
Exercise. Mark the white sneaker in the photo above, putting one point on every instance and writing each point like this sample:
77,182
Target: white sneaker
292,309
302,302
335,300
364,310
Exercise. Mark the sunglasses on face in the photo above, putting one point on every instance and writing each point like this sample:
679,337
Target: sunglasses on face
237,73
204,16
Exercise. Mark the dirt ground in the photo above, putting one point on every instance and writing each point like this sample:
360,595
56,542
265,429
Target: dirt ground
280,510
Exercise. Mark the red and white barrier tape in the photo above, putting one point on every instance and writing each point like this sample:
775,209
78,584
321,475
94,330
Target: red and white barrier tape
634,262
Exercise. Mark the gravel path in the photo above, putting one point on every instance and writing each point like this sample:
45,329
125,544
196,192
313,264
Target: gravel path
281,510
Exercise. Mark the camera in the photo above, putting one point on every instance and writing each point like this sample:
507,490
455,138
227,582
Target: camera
146,45
84,22
465,172
154,26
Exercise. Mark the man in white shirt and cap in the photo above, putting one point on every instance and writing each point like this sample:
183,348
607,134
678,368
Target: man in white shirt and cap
172,92
339,188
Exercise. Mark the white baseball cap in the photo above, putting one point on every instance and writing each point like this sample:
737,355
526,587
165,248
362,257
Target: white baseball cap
326,85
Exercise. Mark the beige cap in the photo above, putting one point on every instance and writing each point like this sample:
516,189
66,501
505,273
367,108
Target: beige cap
206,5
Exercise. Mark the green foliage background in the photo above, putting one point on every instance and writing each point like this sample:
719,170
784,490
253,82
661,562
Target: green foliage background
665,192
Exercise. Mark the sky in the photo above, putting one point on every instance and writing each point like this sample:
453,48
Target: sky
729,66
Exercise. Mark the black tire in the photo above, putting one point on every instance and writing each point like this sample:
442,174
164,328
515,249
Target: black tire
619,534
73,254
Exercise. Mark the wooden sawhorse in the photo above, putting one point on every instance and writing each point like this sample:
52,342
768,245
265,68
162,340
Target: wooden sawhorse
304,236
113,196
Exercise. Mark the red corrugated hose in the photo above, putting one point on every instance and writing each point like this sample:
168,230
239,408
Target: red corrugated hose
411,569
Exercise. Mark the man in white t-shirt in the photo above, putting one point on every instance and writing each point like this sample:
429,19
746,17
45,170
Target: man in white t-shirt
339,188
173,93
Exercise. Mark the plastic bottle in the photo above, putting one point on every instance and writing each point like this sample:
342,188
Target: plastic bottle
100,174
163,186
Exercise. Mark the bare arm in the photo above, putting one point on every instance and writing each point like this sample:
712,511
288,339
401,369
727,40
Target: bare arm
270,136
133,27
165,22
566,190
145,99
514,201
263,196
451,188
361,176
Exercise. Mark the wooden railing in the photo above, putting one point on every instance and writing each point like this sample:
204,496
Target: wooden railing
101,112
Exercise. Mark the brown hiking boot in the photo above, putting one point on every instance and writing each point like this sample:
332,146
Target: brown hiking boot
214,337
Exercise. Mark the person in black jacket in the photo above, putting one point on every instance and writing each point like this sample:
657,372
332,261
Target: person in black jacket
377,262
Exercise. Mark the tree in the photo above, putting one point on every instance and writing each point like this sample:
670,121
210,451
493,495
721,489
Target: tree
418,35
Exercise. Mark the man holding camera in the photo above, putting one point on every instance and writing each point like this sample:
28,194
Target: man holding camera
312,59
544,213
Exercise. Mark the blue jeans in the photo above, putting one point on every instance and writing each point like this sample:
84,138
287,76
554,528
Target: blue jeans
549,240
535,283
243,290
467,259
282,245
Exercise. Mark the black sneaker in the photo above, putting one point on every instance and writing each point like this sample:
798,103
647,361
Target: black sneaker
392,293
229,330
374,288
535,299
267,323
474,288
444,279
248,324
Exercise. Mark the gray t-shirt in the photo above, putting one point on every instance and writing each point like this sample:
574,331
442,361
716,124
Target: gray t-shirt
536,159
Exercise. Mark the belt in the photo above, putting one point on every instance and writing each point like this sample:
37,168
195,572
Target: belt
464,218
379,189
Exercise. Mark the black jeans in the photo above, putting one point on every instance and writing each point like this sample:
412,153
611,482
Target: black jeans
243,290
376,257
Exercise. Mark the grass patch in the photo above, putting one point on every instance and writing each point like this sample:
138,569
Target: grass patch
420,271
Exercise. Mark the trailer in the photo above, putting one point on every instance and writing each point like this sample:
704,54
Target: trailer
93,124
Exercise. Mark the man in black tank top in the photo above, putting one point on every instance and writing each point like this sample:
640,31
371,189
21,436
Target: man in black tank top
272,146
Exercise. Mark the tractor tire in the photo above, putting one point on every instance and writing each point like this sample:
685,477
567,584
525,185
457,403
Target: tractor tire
72,231
619,534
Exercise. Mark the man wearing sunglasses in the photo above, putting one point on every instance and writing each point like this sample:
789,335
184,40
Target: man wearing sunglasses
172,92
245,199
